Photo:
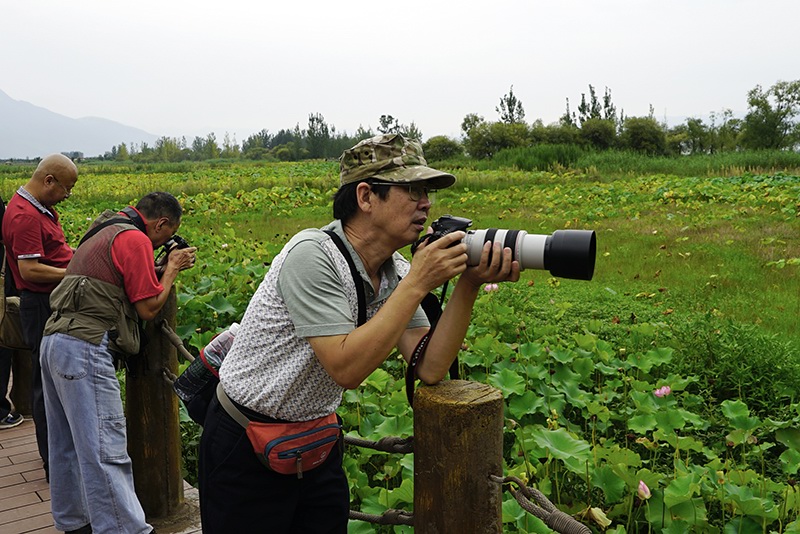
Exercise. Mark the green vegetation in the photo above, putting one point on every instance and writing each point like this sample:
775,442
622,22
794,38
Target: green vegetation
697,288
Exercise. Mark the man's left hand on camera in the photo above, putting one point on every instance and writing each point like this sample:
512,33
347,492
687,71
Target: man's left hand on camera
436,262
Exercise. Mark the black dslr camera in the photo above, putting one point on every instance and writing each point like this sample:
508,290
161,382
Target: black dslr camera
175,242
441,227
447,224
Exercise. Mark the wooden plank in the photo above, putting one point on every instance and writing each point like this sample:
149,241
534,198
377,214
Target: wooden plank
11,480
40,523
23,487
22,467
37,474
10,452
21,500
27,457
31,510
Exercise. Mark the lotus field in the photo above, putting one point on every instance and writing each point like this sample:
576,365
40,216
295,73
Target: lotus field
662,396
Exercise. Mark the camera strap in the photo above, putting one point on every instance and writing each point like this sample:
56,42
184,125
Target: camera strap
430,304
433,310
359,283
416,356
132,218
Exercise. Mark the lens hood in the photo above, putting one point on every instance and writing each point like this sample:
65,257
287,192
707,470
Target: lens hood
571,254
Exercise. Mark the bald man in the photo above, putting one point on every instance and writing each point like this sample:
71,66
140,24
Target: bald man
38,255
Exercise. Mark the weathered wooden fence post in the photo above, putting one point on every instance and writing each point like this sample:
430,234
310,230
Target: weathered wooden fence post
154,436
458,445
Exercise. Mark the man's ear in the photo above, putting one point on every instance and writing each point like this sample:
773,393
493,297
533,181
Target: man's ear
161,222
364,196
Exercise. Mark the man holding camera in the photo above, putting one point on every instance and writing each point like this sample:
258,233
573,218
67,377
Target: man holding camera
109,285
300,344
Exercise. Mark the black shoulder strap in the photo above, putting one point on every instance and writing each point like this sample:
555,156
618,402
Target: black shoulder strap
362,298
133,218
430,304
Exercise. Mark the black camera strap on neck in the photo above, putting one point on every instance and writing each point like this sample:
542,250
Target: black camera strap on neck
430,304
133,218
362,298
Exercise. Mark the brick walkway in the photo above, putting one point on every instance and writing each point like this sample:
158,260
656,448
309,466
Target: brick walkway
25,495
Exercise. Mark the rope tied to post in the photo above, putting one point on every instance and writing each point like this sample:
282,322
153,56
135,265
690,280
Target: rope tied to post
173,338
168,376
389,517
535,502
388,444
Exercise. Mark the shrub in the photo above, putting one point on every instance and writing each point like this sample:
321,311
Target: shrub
488,138
598,133
538,157
440,147
736,361
643,134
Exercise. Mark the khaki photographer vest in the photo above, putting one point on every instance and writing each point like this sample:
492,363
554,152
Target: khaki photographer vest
91,299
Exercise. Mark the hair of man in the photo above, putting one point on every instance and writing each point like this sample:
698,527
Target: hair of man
345,204
160,204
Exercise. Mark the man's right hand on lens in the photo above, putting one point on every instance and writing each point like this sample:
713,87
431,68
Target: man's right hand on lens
182,258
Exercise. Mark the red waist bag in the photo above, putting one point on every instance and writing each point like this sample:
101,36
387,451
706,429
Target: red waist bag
288,448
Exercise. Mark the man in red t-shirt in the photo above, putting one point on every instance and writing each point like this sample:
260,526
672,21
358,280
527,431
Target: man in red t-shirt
38,254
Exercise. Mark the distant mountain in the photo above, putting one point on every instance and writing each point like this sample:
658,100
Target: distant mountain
28,131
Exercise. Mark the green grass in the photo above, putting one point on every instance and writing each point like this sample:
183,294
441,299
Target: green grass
612,164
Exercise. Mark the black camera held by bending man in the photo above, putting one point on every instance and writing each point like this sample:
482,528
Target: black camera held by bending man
565,253
175,242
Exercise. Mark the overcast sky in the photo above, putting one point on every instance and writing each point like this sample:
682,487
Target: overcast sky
186,68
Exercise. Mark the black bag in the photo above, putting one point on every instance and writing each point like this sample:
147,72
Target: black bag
10,325
198,382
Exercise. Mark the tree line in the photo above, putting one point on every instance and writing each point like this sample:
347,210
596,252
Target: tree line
770,123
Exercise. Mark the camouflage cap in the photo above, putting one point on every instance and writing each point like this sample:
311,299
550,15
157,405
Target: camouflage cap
390,158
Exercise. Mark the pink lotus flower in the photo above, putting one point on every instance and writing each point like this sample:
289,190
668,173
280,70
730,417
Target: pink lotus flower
663,391
643,492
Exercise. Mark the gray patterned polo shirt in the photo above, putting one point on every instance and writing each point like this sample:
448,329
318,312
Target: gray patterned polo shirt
307,292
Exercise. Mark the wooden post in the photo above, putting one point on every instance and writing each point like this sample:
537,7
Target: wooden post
22,381
458,445
154,436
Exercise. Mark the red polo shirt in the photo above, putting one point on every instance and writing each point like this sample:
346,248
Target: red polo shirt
30,233
132,254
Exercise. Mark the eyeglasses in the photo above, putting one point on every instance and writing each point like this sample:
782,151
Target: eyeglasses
415,190
67,191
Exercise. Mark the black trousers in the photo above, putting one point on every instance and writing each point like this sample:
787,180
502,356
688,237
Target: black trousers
239,494
5,378
34,310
